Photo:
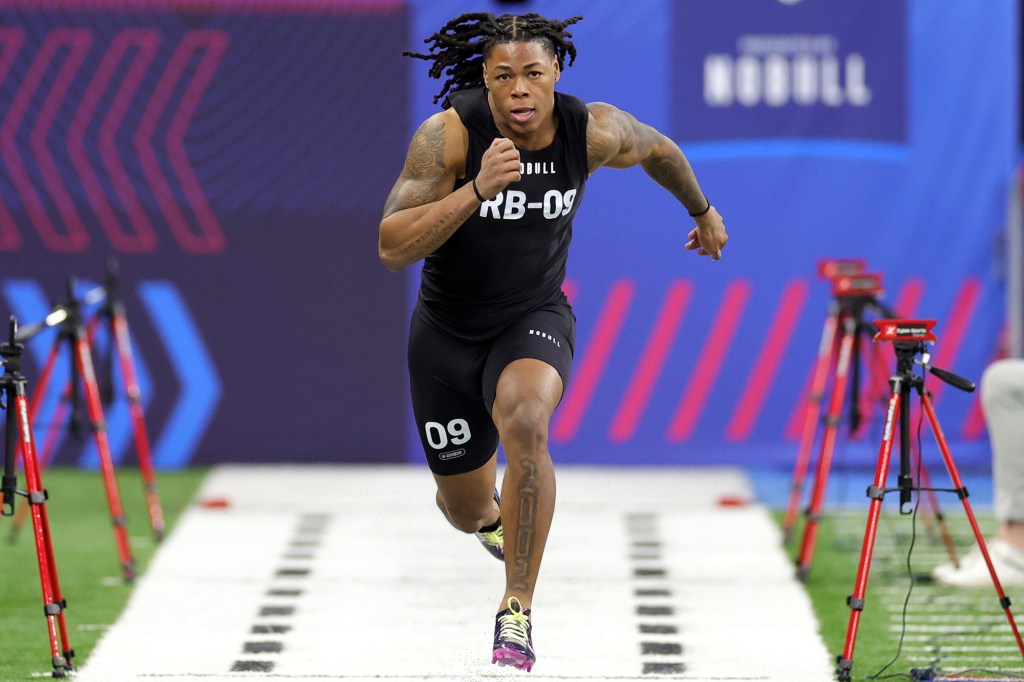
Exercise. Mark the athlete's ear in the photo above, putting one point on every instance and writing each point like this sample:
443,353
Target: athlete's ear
484,72
558,71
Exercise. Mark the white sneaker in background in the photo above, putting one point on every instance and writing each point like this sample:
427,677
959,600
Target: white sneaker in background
1006,559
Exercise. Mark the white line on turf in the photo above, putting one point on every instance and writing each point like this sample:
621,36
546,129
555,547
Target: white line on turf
387,591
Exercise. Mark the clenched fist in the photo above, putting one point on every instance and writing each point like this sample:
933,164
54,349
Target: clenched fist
498,168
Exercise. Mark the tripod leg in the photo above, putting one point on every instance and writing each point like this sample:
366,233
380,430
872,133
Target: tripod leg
933,502
124,351
826,348
833,418
54,604
873,403
961,490
83,359
49,445
877,490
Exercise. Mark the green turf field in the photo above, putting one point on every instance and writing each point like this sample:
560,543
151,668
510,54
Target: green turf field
87,562
949,630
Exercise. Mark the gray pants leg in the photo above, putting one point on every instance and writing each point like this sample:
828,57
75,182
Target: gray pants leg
1002,400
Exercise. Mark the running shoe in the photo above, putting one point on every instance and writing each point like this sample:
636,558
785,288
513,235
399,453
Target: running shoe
973,571
513,639
494,540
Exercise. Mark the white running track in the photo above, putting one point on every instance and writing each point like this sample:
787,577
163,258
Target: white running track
350,573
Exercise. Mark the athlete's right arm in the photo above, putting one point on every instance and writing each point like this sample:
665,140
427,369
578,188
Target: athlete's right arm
422,211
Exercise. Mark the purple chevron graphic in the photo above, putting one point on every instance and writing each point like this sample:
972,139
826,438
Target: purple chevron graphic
211,238
54,241
146,42
11,40
57,211
78,40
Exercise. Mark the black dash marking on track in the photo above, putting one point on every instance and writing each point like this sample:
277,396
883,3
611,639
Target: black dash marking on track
648,570
306,537
664,668
252,667
292,572
263,647
661,649
270,629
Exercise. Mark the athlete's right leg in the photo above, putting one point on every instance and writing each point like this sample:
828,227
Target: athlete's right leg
458,436
467,499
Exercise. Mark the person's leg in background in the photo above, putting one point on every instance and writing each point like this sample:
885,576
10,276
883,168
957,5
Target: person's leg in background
1002,401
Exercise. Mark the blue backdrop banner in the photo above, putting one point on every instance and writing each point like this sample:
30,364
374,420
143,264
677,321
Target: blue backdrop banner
882,130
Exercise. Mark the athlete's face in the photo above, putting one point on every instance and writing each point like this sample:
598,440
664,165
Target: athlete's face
521,80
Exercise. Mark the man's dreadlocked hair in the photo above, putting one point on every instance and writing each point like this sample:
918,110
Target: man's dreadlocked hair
460,47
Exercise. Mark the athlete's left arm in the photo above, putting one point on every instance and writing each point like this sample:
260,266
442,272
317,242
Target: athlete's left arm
616,139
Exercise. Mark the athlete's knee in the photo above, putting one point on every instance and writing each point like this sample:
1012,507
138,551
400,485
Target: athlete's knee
523,425
465,513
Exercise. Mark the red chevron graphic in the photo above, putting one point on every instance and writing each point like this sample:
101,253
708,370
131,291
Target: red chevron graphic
144,238
652,359
709,362
216,43
211,238
11,40
53,240
592,361
767,364
79,40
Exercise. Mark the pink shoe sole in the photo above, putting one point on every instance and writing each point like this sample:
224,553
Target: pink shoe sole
512,658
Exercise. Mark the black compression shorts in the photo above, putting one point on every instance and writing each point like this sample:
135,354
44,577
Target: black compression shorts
454,382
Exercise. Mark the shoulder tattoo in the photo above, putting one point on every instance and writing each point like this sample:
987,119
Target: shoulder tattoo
426,151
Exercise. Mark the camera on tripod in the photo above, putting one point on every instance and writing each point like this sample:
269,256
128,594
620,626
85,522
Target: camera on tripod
859,285
905,330
910,337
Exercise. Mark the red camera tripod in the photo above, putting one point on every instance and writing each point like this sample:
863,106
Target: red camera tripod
19,429
71,333
909,338
855,294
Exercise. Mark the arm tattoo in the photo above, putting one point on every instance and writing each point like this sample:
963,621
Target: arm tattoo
617,139
675,174
426,151
424,170
526,528
434,237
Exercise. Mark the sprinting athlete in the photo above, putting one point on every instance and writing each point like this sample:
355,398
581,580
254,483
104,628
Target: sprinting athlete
486,199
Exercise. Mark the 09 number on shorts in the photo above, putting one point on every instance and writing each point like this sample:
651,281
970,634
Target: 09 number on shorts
438,437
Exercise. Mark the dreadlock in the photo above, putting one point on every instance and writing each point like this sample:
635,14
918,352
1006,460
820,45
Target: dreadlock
460,47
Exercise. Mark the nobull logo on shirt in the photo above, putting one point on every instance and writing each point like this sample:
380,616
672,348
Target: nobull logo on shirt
811,69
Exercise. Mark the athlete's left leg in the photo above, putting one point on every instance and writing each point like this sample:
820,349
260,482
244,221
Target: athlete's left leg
527,394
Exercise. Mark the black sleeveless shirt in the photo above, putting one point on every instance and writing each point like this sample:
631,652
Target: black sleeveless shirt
509,257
